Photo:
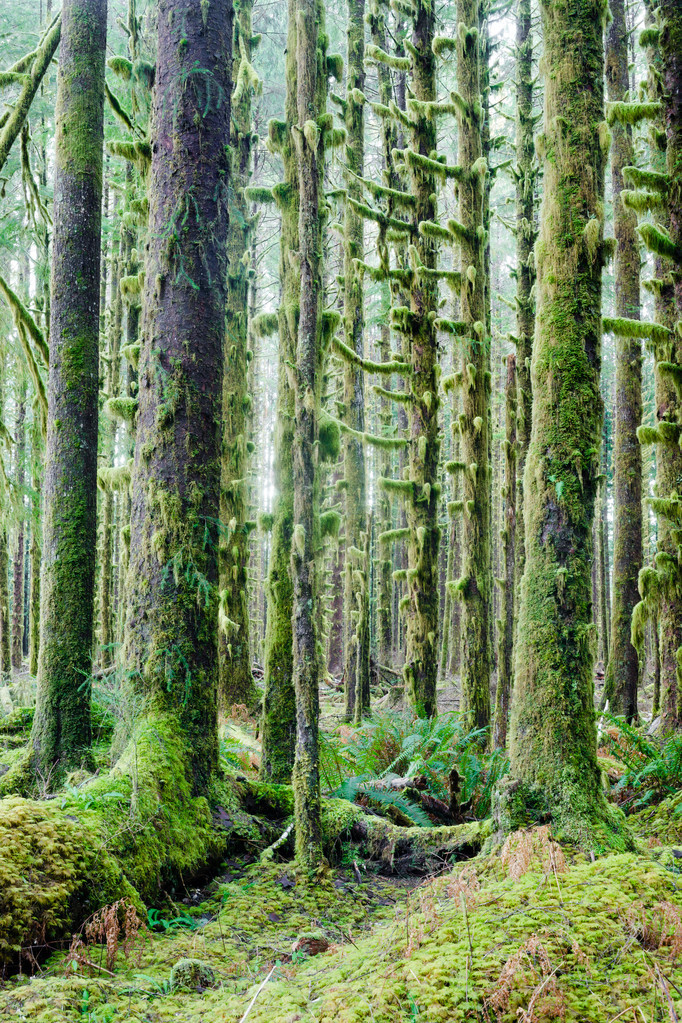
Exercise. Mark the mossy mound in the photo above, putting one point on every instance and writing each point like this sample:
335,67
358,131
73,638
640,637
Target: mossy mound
522,931
191,975
53,873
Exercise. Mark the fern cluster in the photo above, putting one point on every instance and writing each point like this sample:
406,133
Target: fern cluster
392,745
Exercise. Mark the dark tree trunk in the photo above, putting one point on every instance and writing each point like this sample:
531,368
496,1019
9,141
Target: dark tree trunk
61,728
171,640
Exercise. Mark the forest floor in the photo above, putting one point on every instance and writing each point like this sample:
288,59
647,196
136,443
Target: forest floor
531,931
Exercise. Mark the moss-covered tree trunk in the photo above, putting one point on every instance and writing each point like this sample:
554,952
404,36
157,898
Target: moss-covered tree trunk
384,563
19,553
36,547
236,681
279,711
552,729
475,585
420,345
106,619
506,626
622,675
61,727
670,622
308,137
355,586
525,175
171,635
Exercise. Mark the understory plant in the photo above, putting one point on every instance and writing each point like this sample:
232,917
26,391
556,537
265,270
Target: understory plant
400,745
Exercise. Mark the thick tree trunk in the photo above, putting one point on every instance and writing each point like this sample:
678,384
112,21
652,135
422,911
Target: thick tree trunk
552,729
171,635
61,728
622,676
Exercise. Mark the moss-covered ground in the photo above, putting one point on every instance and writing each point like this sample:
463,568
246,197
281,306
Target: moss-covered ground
530,931
524,933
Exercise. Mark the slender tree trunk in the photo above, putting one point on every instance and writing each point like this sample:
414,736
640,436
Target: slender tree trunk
279,707
171,637
236,684
603,568
106,617
19,558
309,140
61,727
526,174
622,675
355,592
35,550
552,730
475,584
506,640
384,563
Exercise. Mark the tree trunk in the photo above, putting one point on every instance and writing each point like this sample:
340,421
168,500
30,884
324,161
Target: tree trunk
171,635
61,727
552,730
19,559
279,707
622,675
526,175
506,639
355,588
236,684
311,90
475,584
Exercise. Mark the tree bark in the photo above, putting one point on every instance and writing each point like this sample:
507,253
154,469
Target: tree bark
355,587
475,584
61,728
236,684
171,640
552,729
311,90
622,675
19,553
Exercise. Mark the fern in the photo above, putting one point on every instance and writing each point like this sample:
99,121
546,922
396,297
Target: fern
400,744
653,769
367,787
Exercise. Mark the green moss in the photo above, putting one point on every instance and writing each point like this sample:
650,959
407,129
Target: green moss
53,874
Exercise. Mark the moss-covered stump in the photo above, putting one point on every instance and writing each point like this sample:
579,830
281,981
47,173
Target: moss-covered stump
54,872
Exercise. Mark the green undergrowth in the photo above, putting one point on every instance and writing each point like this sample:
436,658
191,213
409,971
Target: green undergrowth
521,934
